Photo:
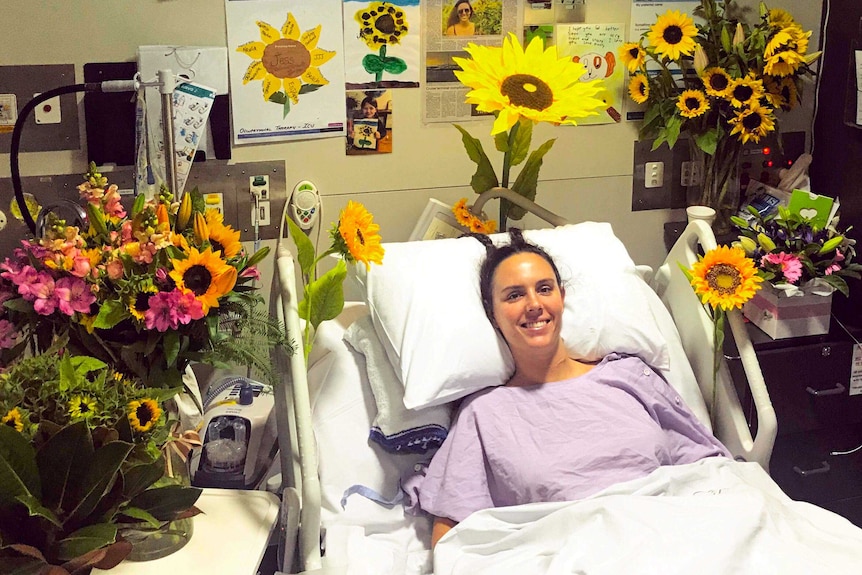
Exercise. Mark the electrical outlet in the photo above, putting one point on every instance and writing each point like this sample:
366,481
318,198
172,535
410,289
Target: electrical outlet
261,214
691,174
653,174
259,186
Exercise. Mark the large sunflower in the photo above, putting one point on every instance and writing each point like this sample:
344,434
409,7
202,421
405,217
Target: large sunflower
639,88
205,275
746,91
532,83
752,123
633,56
781,92
717,82
381,23
692,103
285,60
673,35
725,278
143,414
224,238
356,236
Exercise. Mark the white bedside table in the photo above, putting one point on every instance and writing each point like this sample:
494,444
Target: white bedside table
230,537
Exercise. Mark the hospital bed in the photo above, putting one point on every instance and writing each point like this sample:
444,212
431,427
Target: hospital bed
341,511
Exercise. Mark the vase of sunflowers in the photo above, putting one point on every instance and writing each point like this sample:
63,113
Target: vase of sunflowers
719,82
521,87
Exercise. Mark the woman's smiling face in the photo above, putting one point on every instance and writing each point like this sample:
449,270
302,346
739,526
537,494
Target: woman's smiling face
464,12
528,302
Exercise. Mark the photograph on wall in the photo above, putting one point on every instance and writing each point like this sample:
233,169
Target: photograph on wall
483,22
596,47
286,69
369,122
381,44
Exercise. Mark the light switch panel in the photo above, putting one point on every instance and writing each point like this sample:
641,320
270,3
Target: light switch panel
653,174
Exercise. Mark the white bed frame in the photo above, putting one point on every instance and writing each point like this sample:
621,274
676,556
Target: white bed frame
301,498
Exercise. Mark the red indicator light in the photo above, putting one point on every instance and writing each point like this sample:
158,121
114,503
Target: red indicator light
770,163
767,150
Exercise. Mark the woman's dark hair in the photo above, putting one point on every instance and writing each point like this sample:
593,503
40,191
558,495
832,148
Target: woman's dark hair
369,100
453,14
495,255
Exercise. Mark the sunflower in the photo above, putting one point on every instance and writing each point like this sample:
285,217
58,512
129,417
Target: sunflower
381,23
462,214
745,91
717,82
692,103
725,278
779,18
475,224
285,59
223,238
13,419
143,414
639,88
205,275
82,406
139,302
356,236
534,84
753,123
783,63
781,92
673,35
633,56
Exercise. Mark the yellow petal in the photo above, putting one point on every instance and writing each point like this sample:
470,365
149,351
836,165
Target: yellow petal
320,57
291,88
503,122
225,281
313,76
309,38
271,85
256,71
290,29
252,49
267,33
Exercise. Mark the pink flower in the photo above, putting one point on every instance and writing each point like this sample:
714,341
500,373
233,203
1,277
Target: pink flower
73,295
831,269
8,335
791,266
188,307
42,291
251,272
162,314
114,269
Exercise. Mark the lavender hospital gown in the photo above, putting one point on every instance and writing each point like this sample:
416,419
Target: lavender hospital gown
562,441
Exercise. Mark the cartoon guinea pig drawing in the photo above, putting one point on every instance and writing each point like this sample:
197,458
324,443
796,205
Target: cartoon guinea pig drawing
597,66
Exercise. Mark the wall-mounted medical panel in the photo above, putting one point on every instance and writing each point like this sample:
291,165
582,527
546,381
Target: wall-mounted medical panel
53,125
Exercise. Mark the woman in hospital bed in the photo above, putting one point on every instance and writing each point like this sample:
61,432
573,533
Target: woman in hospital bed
560,429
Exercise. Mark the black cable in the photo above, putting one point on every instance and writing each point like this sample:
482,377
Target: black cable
16,141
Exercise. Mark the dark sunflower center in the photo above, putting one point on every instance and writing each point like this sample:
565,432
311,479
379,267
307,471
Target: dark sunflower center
634,52
142,301
527,91
360,236
743,93
723,278
692,103
785,93
672,34
752,121
11,422
718,82
385,24
83,407
216,246
642,88
144,414
198,279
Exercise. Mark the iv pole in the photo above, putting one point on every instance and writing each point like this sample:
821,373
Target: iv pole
166,84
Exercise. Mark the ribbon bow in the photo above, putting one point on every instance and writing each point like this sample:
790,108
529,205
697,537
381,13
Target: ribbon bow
181,443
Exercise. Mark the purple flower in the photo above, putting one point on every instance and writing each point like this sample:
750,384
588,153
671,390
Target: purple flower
73,295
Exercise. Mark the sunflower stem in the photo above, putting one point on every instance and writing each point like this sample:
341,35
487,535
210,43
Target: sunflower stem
507,166
378,76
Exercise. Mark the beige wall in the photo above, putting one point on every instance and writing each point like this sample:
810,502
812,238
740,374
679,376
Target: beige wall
587,175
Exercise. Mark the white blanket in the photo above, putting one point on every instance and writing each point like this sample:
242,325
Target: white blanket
714,516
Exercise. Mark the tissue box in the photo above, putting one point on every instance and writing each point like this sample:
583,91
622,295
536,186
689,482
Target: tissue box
782,317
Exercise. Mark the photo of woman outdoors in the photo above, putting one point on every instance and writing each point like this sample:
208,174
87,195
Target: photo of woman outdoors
472,17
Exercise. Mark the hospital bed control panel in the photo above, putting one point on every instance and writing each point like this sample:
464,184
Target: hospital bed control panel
817,455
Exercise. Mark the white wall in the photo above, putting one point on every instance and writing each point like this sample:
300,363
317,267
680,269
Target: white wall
587,175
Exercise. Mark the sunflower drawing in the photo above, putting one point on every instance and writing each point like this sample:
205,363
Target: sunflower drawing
380,25
287,61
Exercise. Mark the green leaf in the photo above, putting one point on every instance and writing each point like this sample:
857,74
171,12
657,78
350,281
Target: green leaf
141,515
36,509
372,63
309,88
521,145
304,248
725,39
707,141
501,141
140,201
485,178
674,124
394,65
84,364
19,565
326,295
141,477
165,503
660,139
85,540
68,375
19,474
101,469
838,283
528,178
62,464
111,313
96,218
171,346
19,304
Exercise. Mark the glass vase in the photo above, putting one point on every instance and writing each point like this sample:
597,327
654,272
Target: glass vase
719,187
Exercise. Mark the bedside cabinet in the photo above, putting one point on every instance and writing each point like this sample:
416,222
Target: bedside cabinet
815,458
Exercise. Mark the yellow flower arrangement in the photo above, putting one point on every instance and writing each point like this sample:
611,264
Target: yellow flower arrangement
521,87
469,220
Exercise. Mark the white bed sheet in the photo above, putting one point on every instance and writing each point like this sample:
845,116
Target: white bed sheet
714,516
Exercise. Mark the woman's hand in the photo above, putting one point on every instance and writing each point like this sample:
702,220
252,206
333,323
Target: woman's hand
442,525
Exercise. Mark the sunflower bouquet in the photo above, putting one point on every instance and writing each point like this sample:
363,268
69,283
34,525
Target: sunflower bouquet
146,291
521,87
720,81
81,464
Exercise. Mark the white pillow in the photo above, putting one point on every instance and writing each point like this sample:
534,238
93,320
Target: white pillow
425,304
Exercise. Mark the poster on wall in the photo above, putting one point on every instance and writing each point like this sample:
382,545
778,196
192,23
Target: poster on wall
381,44
448,26
286,66
596,47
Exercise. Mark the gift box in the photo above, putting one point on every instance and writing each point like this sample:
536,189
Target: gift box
780,316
